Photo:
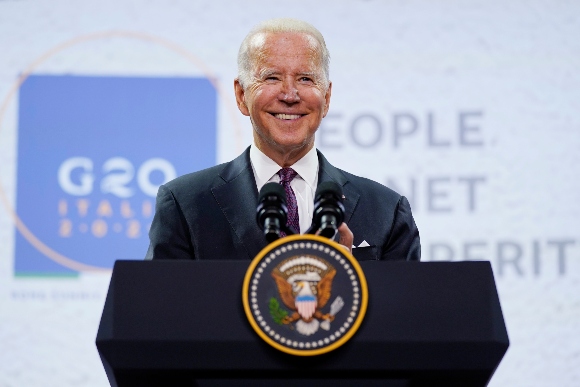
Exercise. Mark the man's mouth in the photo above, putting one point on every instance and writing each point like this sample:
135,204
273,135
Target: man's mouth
287,116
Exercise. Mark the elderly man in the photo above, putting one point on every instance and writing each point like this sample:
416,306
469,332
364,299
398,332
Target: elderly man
283,86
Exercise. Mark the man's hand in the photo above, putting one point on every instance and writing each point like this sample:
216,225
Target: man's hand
346,236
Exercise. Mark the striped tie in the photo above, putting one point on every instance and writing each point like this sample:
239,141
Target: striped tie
286,176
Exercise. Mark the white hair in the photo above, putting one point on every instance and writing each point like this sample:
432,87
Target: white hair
255,39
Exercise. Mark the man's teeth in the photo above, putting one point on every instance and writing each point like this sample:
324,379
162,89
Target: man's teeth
287,116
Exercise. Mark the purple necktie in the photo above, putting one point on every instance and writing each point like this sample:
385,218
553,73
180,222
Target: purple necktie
286,176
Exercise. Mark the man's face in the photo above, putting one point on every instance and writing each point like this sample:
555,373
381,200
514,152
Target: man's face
288,99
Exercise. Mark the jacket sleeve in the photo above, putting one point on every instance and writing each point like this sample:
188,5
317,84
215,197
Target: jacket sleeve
403,240
169,234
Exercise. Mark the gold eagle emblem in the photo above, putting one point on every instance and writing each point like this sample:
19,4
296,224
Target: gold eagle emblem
305,286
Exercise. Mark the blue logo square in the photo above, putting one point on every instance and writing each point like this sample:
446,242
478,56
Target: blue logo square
92,152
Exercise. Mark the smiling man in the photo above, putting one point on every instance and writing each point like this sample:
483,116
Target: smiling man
283,86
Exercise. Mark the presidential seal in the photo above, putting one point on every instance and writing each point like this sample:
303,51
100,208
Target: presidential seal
305,295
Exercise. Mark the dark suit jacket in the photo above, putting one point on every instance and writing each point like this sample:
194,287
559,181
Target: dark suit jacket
211,214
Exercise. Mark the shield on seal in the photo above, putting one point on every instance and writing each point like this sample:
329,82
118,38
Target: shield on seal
306,305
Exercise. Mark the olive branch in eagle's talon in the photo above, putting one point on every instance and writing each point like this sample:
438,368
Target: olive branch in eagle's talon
278,314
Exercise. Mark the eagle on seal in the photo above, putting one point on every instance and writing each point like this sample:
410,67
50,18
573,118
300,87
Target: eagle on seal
305,288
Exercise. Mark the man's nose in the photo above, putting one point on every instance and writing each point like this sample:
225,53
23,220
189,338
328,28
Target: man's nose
289,92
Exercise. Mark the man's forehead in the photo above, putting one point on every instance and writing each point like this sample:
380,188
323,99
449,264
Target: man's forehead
271,40
269,47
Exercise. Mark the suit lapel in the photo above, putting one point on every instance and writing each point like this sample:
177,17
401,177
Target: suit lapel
328,172
237,197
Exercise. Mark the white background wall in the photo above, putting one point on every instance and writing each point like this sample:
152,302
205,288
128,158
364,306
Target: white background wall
508,192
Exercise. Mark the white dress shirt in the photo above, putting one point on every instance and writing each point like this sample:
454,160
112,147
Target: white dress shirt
304,184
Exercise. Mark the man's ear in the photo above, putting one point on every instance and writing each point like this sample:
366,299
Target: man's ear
241,98
327,98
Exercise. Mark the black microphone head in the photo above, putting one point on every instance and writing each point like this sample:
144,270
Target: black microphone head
272,189
328,209
328,187
272,212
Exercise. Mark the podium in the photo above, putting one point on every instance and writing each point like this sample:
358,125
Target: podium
182,323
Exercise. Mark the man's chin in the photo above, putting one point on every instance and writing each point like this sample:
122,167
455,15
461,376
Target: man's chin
285,148
293,146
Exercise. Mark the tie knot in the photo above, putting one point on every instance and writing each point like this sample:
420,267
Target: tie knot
286,175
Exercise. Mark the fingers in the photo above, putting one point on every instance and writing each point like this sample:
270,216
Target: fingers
346,236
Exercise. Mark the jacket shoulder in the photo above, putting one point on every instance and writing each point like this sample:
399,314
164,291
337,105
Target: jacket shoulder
199,181
197,176
209,178
371,187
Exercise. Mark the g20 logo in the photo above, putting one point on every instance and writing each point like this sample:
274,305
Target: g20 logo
92,153
109,203
117,172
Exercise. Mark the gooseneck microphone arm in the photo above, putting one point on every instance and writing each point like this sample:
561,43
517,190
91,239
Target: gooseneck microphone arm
272,213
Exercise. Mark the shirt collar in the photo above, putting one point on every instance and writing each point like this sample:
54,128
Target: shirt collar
264,167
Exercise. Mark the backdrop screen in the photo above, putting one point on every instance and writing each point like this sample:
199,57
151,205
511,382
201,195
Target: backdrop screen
469,109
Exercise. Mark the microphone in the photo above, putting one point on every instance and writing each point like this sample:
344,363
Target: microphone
272,212
328,209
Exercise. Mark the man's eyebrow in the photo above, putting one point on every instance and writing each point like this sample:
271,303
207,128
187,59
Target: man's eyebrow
265,73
